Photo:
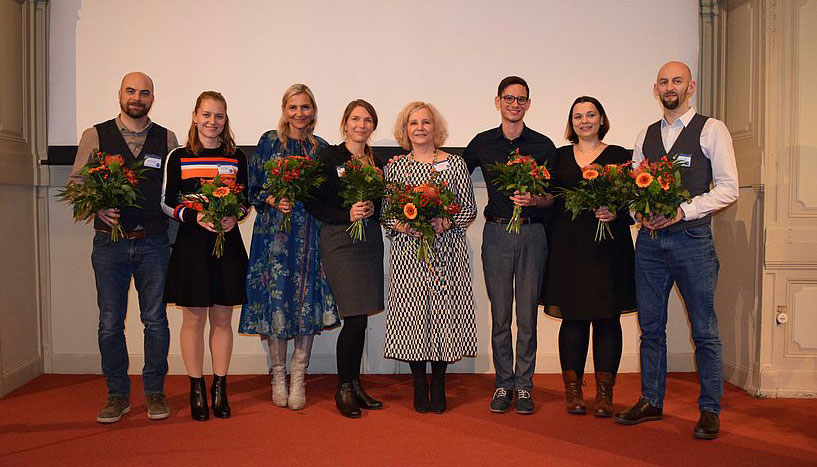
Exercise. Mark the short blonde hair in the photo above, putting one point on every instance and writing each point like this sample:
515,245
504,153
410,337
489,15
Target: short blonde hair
401,134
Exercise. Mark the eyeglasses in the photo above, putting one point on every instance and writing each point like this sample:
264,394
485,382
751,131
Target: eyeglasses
522,100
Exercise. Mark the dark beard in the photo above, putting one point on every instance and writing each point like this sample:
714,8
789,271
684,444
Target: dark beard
671,105
134,112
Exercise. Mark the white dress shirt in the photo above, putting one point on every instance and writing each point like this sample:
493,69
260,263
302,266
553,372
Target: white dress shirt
716,142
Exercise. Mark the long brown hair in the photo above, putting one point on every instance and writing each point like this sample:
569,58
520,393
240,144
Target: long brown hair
227,139
367,150
283,124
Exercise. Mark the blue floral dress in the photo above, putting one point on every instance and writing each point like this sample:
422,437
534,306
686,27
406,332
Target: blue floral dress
287,292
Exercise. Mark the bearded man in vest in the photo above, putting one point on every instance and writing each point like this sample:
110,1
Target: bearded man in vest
682,251
142,255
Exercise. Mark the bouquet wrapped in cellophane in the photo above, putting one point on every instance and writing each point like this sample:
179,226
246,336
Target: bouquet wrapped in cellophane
107,184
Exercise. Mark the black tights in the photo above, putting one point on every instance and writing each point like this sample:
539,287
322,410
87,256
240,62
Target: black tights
574,338
418,369
349,350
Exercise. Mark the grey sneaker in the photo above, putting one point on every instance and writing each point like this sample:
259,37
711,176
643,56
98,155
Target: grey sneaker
501,401
524,404
157,406
113,410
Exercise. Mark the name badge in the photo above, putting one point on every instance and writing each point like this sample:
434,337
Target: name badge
153,162
341,170
441,165
226,170
684,160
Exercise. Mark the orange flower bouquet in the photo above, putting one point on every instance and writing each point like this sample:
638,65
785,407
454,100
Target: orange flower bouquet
656,189
601,185
523,174
217,198
417,205
107,184
292,177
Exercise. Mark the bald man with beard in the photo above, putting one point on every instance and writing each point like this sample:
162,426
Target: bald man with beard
142,255
682,251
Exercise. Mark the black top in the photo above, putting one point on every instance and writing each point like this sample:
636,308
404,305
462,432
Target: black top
327,204
587,279
146,216
492,146
184,170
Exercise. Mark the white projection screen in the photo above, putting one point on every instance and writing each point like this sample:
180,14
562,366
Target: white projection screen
451,53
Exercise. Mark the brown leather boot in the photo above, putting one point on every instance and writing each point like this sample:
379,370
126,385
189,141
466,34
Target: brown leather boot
573,393
604,395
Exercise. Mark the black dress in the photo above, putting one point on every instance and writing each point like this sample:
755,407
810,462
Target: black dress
196,278
354,270
587,280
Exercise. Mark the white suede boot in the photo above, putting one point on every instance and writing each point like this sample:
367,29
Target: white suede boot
278,356
300,361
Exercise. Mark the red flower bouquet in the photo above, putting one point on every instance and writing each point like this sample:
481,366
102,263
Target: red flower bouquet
657,189
523,174
601,185
107,184
217,198
361,182
292,177
417,205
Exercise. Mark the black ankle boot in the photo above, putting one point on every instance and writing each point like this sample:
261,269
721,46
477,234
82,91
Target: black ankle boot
218,393
198,400
364,400
438,402
346,402
421,403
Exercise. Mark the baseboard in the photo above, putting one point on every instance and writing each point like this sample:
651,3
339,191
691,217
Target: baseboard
788,383
325,363
21,374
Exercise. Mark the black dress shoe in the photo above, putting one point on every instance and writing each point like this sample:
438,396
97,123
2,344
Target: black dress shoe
707,426
364,400
346,401
198,400
218,393
642,411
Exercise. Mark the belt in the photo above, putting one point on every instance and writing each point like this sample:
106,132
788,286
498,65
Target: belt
132,235
506,220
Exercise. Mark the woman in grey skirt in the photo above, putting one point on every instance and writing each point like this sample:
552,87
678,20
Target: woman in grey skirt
354,269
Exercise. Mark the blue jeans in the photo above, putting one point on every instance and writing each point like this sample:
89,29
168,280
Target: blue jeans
687,258
114,263
513,265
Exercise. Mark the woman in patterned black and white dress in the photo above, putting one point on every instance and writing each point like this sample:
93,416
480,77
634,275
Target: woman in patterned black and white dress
430,307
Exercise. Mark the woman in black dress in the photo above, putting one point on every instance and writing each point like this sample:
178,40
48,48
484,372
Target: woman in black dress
201,284
588,282
354,269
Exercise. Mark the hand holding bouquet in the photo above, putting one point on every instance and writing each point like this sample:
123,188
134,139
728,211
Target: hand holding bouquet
601,185
416,206
108,184
217,199
522,174
658,189
292,177
361,182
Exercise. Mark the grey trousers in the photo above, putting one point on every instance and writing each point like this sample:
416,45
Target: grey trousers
513,265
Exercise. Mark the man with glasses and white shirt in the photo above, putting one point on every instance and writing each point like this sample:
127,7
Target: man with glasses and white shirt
513,264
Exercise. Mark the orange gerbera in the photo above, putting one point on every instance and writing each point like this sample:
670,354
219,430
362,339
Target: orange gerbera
664,183
590,174
221,192
410,211
643,180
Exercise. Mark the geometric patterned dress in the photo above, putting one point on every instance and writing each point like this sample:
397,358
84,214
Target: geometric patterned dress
431,306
